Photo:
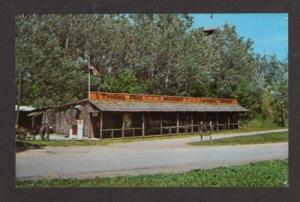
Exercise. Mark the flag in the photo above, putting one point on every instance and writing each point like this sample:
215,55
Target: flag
93,70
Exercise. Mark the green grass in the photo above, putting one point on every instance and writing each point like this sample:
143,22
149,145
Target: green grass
262,174
103,142
251,139
257,124
65,143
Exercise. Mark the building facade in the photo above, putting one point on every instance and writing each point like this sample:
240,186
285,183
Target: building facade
110,115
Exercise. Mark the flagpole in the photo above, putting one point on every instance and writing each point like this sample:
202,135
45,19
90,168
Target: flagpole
89,77
89,84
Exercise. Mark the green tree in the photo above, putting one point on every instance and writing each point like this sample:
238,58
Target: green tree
124,81
144,53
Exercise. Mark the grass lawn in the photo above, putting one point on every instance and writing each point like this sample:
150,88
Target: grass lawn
251,139
262,174
63,143
31,144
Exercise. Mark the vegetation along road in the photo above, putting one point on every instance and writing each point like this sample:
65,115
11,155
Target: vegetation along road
142,157
260,174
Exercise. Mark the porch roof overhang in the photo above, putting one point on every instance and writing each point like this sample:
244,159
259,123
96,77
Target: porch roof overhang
126,106
35,113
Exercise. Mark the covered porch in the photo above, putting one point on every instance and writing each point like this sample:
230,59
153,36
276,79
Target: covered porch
130,124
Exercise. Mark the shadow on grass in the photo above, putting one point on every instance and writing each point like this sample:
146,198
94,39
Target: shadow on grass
23,146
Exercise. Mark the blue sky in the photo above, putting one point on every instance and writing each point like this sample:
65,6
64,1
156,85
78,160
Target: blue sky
268,31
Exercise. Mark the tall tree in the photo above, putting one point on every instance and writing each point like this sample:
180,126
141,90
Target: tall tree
144,53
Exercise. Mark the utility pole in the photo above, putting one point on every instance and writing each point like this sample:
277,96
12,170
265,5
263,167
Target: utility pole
18,97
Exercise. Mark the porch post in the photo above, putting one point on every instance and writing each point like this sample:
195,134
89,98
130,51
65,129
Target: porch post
228,121
101,124
177,123
192,123
160,122
123,127
143,124
238,120
217,120
32,121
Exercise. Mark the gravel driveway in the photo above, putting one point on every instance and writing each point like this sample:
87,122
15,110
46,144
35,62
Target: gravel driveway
141,157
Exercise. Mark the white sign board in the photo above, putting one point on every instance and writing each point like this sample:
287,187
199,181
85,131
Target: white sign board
79,129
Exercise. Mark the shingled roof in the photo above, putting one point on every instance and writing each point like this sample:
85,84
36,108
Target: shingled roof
123,102
125,106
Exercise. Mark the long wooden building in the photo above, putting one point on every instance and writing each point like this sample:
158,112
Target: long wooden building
109,115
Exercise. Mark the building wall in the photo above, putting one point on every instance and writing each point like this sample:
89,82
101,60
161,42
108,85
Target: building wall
24,119
65,118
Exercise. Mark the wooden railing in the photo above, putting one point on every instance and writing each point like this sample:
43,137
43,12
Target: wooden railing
204,128
122,130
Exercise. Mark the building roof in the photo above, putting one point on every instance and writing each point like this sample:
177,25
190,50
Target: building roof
210,30
123,102
24,108
125,106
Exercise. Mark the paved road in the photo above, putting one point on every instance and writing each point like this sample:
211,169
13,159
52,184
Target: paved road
143,157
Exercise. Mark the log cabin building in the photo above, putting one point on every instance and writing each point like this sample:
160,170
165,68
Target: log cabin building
23,120
109,115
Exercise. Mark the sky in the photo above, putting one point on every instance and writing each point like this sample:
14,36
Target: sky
268,31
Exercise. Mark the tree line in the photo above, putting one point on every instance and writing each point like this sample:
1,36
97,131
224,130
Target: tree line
144,53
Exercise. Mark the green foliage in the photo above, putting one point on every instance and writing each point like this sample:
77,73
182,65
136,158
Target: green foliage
251,139
124,81
145,53
275,91
261,174
261,123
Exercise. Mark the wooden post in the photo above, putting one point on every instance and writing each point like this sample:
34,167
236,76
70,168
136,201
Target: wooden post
238,121
143,124
217,122
177,123
32,127
200,129
101,125
123,127
112,130
204,117
192,123
228,122
32,122
210,131
161,123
